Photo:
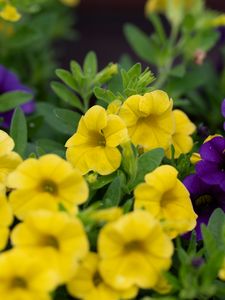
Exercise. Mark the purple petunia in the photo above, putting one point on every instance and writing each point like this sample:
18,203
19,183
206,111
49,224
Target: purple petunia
9,82
211,168
223,111
205,199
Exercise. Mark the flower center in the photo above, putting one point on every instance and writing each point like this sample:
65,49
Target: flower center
50,241
18,282
101,140
203,200
133,246
49,186
97,279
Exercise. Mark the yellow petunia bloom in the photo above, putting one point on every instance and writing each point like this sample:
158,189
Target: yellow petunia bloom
134,250
10,13
107,214
166,198
114,107
9,160
70,2
88,283
94,146
181,139
162,286
6,219
45,183
24,277
149,119
56,233
161,5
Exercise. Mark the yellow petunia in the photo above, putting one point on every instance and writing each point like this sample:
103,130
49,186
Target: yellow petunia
166,198
88,283
94,146
10,13
133,250
161,5
107,214
6,219
149,119
181,139
24,277
56,233
9,160
46,183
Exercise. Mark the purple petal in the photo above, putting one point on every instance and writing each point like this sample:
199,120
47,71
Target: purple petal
213,149
210,172
223,108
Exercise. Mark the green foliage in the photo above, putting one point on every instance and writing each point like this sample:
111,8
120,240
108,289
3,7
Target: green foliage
10,100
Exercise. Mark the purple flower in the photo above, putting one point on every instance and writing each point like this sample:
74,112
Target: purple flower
9,82
205,199
223,111
211,168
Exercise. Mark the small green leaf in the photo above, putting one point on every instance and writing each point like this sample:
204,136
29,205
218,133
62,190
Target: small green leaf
50,146
67,78
66,95
141,43
104,95
113,194
90,65
10,100
147,162
69,118
18,131
216,223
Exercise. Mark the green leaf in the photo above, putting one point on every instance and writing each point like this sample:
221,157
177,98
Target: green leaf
90,65
18,131
141,43
113,194
50,146
69,118
209,241
10,100
77,72
67,78
66,95
102,181
216,223
104,95
147,162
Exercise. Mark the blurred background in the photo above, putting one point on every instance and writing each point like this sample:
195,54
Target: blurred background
100,27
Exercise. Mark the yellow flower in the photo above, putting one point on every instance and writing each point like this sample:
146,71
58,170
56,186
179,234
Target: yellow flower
45,183
107,214
114,107
181,139
161,5
218,21
6,218
24,277
149,119
10,13
164,196
88,283
56,233
134,250
9,160
94,146
70,2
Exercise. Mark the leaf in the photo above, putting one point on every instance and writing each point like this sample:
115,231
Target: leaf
67,78
66,95
209,241
10,100
102,181
113,194
50,146
147,162
216,224
18,131
140,43
90,65
104,95
69,118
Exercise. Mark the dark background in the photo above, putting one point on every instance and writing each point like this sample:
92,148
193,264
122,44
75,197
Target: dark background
100,24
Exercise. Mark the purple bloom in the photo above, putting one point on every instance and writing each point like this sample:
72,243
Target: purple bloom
9,82
211,168
223,111
205,199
